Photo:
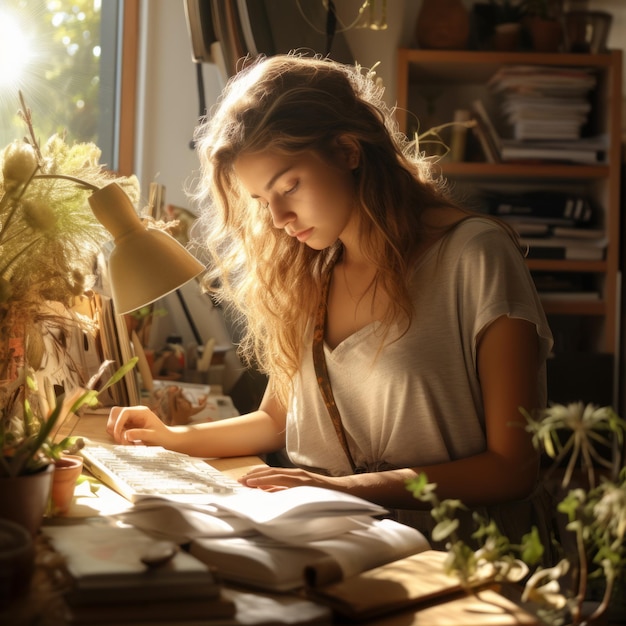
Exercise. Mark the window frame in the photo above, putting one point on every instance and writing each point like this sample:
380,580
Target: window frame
128,88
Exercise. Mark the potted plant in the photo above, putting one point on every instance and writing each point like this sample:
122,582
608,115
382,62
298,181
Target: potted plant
49,244
28,445
590,495
544,24
506,17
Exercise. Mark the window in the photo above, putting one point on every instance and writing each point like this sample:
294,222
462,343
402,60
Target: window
68,58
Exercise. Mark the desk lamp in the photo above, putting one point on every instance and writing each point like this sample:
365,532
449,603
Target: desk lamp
146,263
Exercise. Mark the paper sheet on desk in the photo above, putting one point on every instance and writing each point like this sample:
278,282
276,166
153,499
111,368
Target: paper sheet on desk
182,522
267,508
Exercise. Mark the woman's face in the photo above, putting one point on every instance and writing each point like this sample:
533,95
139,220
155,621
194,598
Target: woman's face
310,197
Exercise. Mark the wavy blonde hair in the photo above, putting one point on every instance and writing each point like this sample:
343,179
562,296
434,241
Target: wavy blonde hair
292,104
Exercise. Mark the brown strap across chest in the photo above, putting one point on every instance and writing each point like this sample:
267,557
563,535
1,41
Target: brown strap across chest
319,362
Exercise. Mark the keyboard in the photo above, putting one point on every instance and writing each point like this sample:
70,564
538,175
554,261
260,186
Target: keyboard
139,471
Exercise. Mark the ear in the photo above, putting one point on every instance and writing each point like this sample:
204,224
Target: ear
348,151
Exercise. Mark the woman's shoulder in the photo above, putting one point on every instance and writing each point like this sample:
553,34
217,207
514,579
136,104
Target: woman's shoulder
480,231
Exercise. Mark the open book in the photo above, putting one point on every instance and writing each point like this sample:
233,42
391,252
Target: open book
296,515
269,563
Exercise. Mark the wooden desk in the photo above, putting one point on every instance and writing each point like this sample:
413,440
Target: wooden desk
264,608
93,426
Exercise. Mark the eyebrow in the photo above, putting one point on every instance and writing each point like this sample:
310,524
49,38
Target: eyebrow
273,180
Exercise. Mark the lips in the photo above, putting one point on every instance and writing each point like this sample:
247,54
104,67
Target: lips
302,235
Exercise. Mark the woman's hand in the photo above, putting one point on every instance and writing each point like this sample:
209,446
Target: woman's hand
278,478
137,425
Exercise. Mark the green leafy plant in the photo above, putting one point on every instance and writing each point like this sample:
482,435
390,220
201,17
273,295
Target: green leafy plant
594,507
28,438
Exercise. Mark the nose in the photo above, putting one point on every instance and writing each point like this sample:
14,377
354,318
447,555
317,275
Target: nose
281,215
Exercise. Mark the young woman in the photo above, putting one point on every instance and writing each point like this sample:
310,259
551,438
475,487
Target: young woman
338,251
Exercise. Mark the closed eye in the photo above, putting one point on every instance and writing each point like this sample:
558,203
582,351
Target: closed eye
292,189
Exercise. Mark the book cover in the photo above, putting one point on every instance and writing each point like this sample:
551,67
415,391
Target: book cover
104,564
404,583
266,563
492,136
489,149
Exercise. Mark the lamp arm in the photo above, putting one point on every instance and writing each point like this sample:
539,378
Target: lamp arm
78,181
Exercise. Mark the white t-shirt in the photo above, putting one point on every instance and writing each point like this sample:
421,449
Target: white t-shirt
417,401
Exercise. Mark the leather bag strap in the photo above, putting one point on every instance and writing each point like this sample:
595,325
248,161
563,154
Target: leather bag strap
319,362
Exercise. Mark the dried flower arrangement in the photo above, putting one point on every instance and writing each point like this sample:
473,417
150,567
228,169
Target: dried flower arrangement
49,244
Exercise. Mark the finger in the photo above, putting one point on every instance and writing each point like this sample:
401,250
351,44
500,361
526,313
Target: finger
127,418
137,436
113,415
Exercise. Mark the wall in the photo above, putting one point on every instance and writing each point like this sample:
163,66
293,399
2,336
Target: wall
168,111
168,101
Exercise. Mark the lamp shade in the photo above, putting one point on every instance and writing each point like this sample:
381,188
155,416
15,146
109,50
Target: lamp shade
146,263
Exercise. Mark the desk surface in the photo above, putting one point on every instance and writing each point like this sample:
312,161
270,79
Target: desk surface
257,607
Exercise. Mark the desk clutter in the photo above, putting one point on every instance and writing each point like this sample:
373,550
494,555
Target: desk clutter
238,555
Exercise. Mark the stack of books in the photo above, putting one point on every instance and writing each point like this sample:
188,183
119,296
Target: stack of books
551,224
543,113
115,577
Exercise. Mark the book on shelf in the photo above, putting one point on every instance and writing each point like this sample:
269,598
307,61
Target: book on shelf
540,229
271,564
545,80
574,151
486,132
553,208
564,248
537,140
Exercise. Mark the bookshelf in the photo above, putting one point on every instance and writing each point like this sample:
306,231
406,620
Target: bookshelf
433,84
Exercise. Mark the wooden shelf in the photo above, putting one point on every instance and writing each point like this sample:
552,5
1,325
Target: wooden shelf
536,171
446,80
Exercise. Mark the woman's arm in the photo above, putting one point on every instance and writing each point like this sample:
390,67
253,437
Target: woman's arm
251,434
508,365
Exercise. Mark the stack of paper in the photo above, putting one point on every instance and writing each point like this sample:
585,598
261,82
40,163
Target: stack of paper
544,102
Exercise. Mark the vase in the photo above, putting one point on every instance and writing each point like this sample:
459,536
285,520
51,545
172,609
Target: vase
67,469
24,499
443,24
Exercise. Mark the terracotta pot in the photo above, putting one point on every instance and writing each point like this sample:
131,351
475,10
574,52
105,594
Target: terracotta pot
67,469
443,24
17,561
24,499
545,35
